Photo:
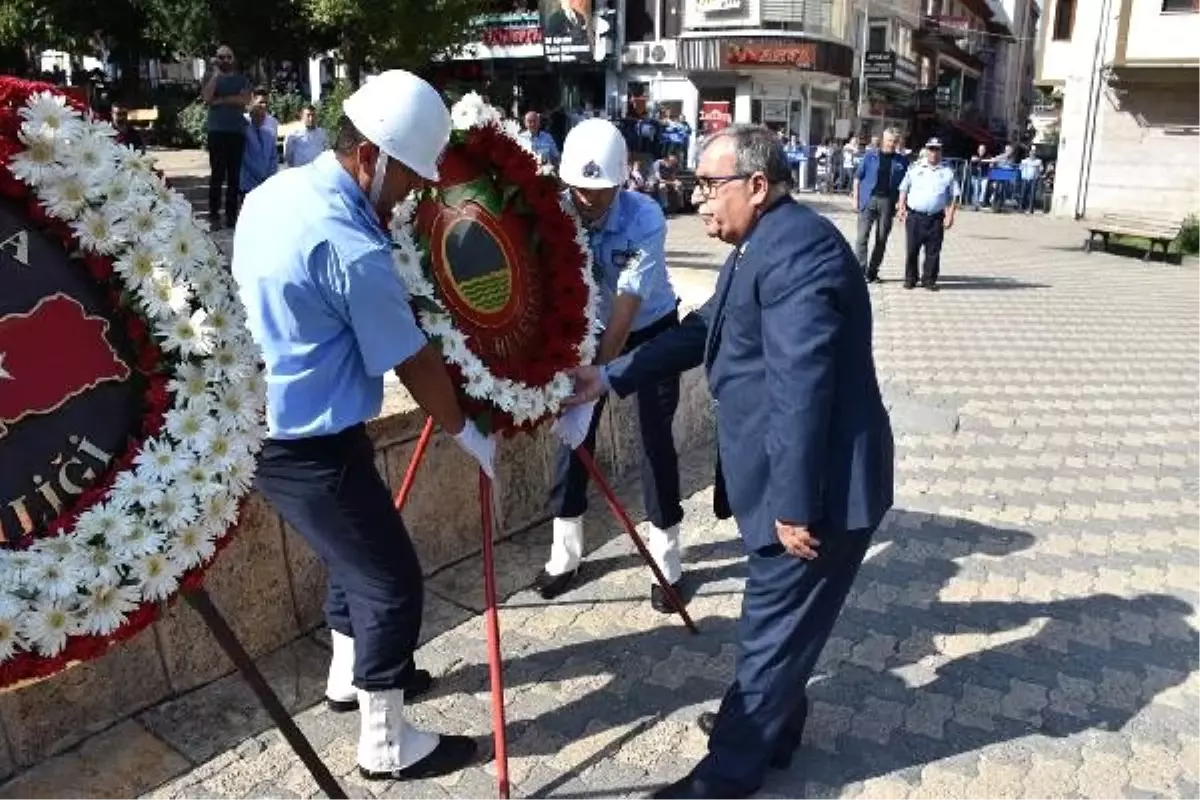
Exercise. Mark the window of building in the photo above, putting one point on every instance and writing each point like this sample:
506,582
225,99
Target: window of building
1181,5
877,38
1064,19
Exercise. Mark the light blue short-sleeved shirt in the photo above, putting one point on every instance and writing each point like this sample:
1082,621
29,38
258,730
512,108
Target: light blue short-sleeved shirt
541,143
930,189
323,299
629,257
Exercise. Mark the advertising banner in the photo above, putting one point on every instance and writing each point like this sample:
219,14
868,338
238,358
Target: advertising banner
568,30
714,116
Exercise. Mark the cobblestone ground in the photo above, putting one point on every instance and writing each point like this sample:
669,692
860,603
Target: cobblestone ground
1025,624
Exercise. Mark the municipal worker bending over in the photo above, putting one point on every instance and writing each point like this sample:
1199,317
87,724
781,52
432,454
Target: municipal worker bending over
314,269
627,234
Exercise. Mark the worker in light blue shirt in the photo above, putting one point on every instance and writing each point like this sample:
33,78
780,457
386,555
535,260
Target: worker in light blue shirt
539,141
332,316
260,158
928,202
303,146
627,234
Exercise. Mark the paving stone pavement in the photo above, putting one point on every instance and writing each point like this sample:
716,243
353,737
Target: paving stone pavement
1025,624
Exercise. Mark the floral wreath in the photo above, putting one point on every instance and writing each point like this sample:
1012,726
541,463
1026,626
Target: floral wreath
155,519
517,392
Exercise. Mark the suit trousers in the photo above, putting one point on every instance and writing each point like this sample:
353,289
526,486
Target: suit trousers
225,152
328,490
788,611
879,213
656,404
924,230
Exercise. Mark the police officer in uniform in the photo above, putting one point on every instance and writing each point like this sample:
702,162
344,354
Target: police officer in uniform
927,205
329,311
627,232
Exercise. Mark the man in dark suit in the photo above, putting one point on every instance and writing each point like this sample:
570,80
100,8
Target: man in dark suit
569,24
805,452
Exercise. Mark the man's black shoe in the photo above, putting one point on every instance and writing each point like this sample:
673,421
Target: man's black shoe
659,601
693,788
873,277
551,586
929,285
910,285
418,684
451,754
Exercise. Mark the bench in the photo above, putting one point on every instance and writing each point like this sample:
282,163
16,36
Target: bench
145,120
1154,229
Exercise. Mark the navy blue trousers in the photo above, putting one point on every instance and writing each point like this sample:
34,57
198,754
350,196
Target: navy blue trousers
328,490
788,610
656,406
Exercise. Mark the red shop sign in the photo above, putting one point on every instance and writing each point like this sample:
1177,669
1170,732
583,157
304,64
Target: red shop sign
799,56
508,37
714,115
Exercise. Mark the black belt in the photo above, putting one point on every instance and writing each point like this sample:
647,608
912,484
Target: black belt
928,213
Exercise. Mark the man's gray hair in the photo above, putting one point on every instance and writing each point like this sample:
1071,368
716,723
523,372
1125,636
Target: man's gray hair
756,148
892,132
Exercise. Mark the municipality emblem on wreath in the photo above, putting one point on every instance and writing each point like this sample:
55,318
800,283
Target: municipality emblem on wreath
592,170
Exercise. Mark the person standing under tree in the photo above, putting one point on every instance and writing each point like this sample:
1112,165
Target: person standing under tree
260,158
227,94
928,202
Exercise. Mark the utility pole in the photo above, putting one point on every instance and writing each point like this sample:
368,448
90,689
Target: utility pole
862,65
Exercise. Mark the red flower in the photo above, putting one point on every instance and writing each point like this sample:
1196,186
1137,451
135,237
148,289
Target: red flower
136,329
147,357
100,267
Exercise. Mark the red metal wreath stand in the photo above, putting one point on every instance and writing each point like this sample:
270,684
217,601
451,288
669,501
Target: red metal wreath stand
491,609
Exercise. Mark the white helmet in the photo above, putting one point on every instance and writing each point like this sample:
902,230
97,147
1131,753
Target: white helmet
594,156
404,117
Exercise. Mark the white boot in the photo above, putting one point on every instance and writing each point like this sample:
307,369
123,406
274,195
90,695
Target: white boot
664,548
567,550
340,693
386,742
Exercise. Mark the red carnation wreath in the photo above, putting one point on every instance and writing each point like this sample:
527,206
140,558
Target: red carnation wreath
151,522
500,274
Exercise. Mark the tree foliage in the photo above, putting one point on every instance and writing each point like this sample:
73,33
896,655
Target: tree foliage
394,33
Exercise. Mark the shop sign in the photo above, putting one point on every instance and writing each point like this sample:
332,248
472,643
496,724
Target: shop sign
511,37
774,110
879,66
714,116
796,56
710,6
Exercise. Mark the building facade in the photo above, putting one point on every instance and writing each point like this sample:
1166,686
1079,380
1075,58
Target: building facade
1130,120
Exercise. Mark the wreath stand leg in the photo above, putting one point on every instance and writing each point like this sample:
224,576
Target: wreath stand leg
199,600
622,516
491,608
492,622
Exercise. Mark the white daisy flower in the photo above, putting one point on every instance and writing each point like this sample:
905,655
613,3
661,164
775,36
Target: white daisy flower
184,247
230,364
239,475
192,546
190,426
189,335
105,520
92,562
238,409
64,194
54,579
133,487
93,157
158,576
105,606
48,113
174,510
46,627
220,511
146,221
162,297
160,461
95,231
138,541
10,638
36,162
117,191
219,451
134,161
190,381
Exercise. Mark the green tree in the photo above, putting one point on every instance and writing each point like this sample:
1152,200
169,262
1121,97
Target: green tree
394,33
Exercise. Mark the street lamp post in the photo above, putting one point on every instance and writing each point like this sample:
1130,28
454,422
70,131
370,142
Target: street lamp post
862,64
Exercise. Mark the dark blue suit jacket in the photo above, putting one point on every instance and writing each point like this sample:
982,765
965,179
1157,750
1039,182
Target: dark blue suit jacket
802,433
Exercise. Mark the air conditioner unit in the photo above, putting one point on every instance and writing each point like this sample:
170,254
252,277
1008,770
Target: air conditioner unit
637,54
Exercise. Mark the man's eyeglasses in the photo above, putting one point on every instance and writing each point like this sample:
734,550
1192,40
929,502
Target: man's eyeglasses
708,185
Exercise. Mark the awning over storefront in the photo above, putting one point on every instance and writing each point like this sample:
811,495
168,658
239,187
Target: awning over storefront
979,134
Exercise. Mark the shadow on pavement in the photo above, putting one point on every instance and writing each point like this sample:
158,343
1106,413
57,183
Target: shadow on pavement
1061,667
957,282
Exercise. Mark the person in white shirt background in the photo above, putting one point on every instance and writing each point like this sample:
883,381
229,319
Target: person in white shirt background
302,146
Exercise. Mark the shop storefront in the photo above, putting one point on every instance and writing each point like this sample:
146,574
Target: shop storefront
772,81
